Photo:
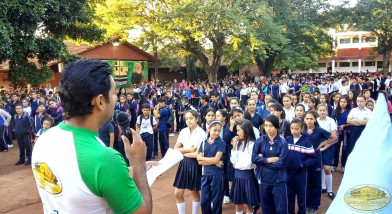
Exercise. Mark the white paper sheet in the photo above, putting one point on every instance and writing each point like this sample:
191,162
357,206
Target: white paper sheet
172,157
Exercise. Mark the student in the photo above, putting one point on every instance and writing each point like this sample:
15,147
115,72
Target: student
294,100
210,157
299,111
357,118
222,116
244,94
235,102
163,113
106,134
204,105
277,110
299,157
329,125
47,122
34,103
305,102
244,189
122,105
5,119
269,153
55,111
185,107
22,129
340,115
352,95
335,101
146,123
26,106
132,104
370,105
256,118
312,103
215,103
237,115
188,174
324,98
319,138
288,108
209,116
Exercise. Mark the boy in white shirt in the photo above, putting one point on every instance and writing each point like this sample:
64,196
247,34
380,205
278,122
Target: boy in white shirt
146,123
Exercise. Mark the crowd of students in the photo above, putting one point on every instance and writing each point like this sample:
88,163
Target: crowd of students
276,141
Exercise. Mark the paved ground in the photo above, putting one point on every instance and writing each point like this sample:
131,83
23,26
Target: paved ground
19,195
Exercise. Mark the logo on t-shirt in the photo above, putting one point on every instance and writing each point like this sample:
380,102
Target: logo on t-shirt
46,179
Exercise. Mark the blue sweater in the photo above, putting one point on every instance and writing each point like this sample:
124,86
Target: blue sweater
300,155
22,125
270,173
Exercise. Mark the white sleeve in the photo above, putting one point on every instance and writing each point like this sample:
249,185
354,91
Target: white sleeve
181,136
333,124
234,157
138,121
154,121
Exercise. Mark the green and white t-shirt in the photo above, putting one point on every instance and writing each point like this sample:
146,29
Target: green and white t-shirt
76,173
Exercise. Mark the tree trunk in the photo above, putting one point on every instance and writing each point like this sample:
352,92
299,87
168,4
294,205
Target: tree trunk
385,63
265,67
212,73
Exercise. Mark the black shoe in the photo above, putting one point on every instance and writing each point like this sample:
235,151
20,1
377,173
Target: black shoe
323,190
28,163
331,195
19,162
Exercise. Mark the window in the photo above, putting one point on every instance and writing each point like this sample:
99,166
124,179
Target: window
370,39
370,63
355,40
322,65
379,64
345,41
355,64
344,64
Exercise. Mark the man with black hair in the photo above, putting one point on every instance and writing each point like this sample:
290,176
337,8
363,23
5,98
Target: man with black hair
74,171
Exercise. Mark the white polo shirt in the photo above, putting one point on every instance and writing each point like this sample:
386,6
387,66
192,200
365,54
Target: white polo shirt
145,124
327,124
360,114
190,139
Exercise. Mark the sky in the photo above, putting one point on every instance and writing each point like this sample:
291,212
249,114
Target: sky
338,2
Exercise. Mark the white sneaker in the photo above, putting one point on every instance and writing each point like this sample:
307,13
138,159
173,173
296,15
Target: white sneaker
333,169
171,134
11,146
226,200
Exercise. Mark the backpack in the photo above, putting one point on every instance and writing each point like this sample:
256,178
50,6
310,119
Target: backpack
170,121
151,120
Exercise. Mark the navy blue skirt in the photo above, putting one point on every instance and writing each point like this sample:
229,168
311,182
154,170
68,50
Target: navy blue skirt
228,167
245,188
188,175
327,156
355,133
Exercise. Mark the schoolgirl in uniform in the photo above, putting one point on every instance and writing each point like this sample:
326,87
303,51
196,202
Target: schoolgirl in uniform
335,101
209,116
324,98
235,102
299,111
256,118
244,189
300,156
327,152
210,157
288,108
122,104
352,95
343,134
319,138
294,100
277,110
189,171
305,101
312,104
222,116
269,153
357,118
237,115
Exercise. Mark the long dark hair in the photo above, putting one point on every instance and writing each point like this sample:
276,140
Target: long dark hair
354,100
224,114
194,114
249,134
338,109
314,115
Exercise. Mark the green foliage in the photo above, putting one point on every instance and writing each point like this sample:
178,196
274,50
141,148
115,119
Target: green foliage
191,68
32,31
376,16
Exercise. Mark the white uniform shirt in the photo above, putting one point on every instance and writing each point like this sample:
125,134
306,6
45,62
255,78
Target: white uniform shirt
344,89
360,114
323,89
327,124
242,158
283,88
194,139
290,114
244,91
145,125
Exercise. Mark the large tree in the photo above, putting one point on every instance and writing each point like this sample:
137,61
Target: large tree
301,42
376,16
32,34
